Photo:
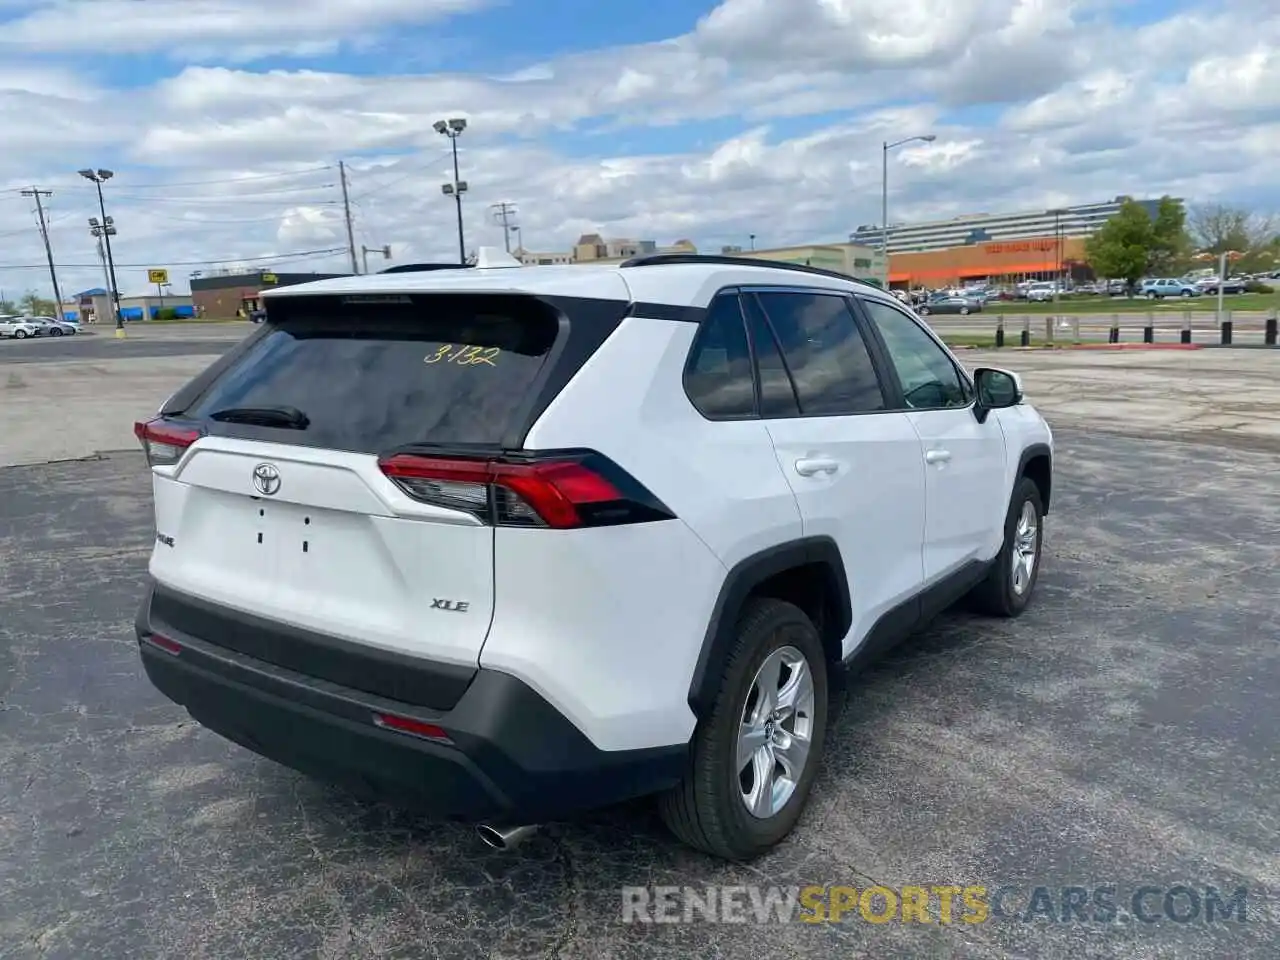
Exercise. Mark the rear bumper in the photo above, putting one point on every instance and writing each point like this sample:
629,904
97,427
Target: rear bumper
512,756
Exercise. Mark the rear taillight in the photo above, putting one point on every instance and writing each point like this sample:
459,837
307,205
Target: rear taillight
163,443
561,491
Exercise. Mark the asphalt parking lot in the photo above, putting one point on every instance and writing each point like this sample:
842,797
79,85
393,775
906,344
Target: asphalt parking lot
1122,733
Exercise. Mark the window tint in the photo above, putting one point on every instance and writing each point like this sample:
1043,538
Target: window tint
718,376
825,353
373,376
929,379
777,395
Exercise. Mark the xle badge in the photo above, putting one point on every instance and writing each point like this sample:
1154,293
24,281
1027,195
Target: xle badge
453,606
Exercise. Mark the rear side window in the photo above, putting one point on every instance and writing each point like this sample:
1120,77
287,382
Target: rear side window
777,395
825,352
718,377
372,376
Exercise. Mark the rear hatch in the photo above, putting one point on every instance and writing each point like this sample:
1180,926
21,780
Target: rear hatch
280,490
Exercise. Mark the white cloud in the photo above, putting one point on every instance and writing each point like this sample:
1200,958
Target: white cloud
1034,104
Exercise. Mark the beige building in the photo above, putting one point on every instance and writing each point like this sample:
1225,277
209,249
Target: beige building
851,259
593,248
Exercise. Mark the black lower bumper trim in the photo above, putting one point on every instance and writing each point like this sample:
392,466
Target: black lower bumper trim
513,756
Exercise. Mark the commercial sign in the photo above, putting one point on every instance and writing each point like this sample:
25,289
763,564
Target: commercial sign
1020,246
270,278
157,276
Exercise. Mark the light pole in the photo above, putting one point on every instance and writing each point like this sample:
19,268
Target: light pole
108,230
1058,214
884,197
453,130
752,238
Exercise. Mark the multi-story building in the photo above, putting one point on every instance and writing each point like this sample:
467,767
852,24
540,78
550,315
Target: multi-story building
1036,244
851,259
593,248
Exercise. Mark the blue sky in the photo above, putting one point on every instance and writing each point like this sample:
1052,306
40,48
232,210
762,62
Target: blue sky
655,120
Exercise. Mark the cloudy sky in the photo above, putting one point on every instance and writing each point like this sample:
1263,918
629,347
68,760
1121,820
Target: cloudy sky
224,119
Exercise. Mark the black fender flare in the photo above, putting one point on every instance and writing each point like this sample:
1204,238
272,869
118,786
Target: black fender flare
738,584
1032,452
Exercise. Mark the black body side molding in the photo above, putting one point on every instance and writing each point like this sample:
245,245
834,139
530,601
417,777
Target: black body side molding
738,585
1043,478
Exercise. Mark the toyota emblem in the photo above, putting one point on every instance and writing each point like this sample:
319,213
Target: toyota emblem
266,479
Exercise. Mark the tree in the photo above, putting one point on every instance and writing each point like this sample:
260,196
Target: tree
1122,247
35,306
1219,228
8,308
1170,243
1132,245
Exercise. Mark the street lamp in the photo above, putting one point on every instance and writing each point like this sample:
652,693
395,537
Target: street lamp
1058,238
108,230
453,130
884,197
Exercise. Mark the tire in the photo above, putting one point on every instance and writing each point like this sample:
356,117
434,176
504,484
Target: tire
997,595
964,311
708,809
19,334
923,311
1187,293
55,332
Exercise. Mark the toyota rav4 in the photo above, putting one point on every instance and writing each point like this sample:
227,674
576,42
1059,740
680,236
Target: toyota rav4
513,543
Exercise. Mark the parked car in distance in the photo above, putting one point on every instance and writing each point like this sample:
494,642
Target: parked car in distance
1041,292
1230,285
1161,287
961,305
19,328
52,327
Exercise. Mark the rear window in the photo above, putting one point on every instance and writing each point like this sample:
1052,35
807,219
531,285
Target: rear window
371,374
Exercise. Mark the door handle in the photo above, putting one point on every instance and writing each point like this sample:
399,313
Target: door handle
808,466
937,456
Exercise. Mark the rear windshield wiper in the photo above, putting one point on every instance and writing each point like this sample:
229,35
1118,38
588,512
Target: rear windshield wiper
289,417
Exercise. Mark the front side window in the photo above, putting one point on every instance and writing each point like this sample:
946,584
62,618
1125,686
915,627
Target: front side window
930,381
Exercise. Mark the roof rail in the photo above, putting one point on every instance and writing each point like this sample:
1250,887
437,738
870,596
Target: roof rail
420,267
664,259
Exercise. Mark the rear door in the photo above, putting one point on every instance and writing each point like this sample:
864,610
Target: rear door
853,464
963,459
280,508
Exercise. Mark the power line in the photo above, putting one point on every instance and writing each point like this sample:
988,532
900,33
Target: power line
229,198
189,263
244,179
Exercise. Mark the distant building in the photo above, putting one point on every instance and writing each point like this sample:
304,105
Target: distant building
226,294
851,259
593,248
1032,245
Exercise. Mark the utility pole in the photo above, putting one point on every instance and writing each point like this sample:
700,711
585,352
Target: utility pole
48,249
346,211
504,213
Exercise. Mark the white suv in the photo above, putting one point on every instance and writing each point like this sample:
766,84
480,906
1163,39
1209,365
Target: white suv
521,542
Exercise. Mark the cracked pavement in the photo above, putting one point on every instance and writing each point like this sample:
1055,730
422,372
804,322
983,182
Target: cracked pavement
1122,732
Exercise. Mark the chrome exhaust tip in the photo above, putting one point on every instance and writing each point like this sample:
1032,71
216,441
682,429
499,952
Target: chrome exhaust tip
505,838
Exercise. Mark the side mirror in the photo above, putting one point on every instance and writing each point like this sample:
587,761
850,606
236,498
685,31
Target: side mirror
996,389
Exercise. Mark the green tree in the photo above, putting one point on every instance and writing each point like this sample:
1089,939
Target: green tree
8,308
1122,247
1170,243
1132,245
36,306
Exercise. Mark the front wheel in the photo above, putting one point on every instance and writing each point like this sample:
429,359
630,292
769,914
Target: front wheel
1006,591
754,756
19,334
923,311
55,332
964,311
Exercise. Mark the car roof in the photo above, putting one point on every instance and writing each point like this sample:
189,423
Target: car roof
675,281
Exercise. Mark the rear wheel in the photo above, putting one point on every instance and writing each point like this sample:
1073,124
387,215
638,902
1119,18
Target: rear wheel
19,334
1006,591
755,754
55,331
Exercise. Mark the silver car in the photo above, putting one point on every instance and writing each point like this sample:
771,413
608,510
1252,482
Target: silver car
52,327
